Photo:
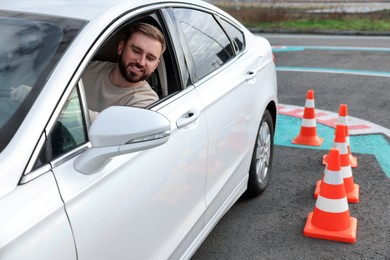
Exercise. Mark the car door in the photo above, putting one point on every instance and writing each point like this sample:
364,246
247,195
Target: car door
141,205
33,221
226,86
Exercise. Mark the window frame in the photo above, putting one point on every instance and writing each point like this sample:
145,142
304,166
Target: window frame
179,43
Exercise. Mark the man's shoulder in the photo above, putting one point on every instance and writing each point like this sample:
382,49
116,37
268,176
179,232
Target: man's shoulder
93,76
99,66
144,87
144,91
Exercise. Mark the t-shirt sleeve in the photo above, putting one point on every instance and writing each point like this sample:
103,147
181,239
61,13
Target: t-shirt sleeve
144,98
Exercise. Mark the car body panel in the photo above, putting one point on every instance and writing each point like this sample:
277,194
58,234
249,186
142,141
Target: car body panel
35,208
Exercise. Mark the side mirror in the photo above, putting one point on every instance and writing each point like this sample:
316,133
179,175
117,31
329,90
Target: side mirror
119,130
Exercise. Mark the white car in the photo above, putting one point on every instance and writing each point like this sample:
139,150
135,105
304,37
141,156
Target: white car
136,183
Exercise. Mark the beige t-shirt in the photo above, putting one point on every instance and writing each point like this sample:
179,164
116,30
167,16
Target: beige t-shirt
101,93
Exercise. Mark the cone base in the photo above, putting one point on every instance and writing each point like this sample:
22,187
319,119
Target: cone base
308,140
324,159
352,197
352,160
317,189
347,236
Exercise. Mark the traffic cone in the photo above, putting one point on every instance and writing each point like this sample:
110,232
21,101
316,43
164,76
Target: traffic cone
343,119
351,189
330,218
308,132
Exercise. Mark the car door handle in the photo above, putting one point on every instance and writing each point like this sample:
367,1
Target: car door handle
252,73
188,118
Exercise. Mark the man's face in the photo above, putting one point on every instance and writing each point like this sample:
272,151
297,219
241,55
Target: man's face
139,57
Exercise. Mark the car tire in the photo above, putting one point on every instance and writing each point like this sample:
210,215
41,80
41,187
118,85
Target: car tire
261,164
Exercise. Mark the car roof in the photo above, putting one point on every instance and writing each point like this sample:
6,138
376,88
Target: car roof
79,9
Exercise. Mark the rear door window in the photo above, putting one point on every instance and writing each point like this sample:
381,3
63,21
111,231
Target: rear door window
236,36
209,45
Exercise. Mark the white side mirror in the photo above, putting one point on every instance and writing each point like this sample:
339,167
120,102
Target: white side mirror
119,130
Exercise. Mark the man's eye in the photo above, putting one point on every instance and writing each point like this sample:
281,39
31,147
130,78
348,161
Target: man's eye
151,58
137,51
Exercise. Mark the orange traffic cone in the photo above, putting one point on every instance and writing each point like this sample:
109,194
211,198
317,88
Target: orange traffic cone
351,189
343,119
308,133
331,219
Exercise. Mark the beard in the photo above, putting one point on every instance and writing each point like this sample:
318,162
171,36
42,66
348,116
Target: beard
128,74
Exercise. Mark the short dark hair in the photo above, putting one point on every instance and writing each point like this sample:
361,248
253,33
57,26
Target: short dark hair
147,30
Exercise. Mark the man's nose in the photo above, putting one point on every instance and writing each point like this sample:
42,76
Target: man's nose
142,60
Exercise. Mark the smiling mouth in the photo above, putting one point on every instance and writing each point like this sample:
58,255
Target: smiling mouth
136,68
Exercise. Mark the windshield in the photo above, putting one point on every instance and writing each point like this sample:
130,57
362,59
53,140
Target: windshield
29,48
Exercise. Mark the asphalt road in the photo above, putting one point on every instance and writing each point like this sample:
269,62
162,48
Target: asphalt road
271,226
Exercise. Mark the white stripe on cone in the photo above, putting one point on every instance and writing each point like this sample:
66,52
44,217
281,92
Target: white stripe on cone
332,205
309,103
341,146
308,122
342,120
346,171
332,177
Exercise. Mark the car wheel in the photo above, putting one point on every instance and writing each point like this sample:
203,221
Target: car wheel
261,164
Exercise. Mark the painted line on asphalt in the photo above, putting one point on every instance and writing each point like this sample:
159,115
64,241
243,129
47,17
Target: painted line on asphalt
356,126
277,49
335,71
327,48
323,36
365,137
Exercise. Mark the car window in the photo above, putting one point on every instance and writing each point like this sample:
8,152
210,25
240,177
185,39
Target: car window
30,47
69,131
236,36
209,46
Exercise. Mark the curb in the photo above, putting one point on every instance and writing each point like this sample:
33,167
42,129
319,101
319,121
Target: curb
356,125
319,32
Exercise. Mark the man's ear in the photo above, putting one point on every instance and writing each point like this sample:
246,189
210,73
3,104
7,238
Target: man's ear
121,46
158,62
